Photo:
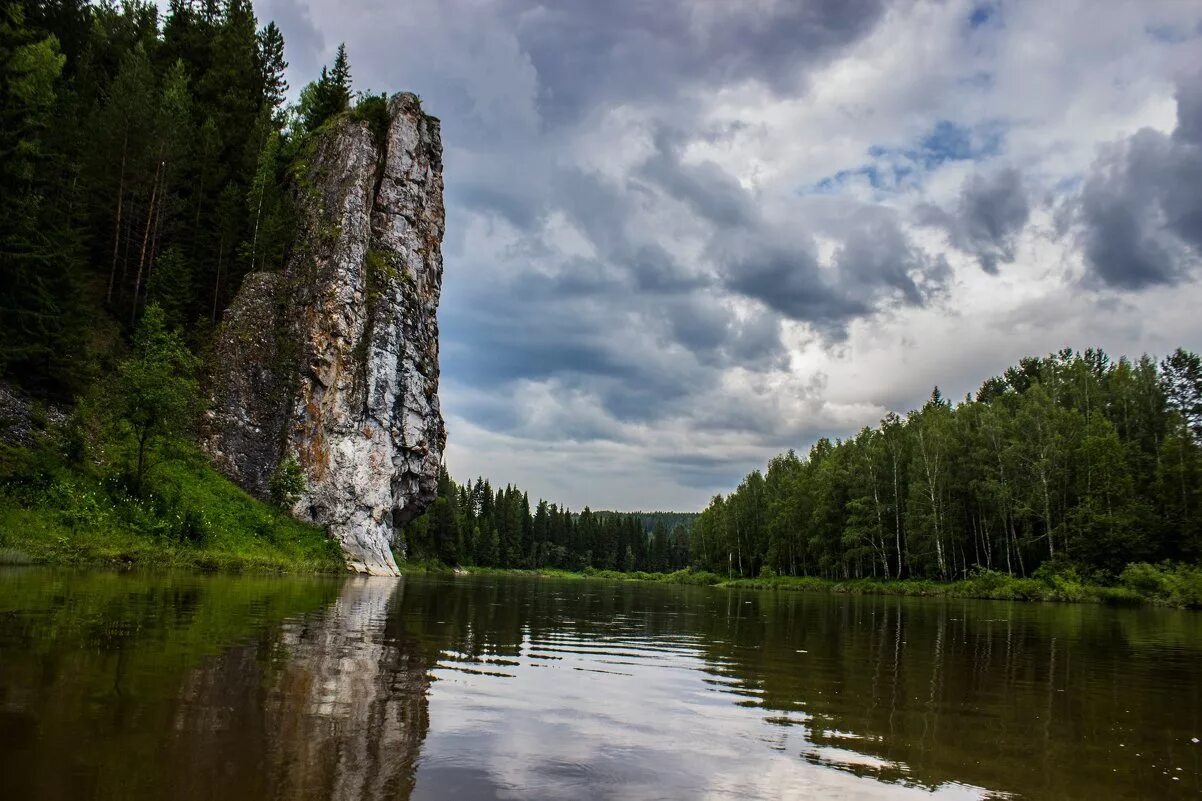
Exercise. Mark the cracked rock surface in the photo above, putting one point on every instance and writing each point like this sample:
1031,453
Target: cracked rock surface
334,362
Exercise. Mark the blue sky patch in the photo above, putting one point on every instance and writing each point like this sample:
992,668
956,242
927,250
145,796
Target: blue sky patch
981,15
895,168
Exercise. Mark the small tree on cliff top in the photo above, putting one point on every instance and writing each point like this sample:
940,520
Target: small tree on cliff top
328,95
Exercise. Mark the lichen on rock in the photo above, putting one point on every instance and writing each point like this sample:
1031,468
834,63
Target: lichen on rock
344,376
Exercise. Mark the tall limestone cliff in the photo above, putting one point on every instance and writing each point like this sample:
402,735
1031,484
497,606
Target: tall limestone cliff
334,362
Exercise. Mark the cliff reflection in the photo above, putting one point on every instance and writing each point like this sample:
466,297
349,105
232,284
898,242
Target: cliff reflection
331,706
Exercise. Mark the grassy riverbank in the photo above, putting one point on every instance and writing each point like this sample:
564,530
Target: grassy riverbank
187,515
1165,585
700,578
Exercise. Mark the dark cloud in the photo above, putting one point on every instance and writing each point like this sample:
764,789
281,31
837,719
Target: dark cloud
992,211
875,263
790,281
1140,206
706,188
628,50
706,326
1189,110
617,346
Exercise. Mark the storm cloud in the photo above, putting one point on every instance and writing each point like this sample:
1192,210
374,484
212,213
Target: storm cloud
1141,206
990,214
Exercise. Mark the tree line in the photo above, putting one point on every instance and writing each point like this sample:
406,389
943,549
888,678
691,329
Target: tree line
148,159
1072,459
474,525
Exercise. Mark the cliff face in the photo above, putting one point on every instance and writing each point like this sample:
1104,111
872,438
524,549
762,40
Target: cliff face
334,363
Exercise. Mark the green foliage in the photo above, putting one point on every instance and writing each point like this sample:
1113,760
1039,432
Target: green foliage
43,321
381,272
185,515
1175,585
170,286
157,394
373,109
1181,379
1064,587
272,65
287,483
1065,470
329,95
472,524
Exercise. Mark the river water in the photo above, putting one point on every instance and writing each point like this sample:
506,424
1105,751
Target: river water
181,686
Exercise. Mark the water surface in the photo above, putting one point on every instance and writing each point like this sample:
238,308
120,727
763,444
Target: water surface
155,686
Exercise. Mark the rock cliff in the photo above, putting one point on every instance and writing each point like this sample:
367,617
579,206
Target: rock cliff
334,362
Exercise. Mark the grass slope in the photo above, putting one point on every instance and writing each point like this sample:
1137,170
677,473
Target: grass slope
188,516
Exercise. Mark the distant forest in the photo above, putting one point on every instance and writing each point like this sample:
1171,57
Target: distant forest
474,525
1073,461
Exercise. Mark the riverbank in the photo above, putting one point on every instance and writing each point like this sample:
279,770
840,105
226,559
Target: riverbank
1177,586
188,516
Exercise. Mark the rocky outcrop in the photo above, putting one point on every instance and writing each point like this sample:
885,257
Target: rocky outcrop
24,421
251,383
334,363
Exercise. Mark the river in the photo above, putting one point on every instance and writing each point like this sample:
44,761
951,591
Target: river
183,686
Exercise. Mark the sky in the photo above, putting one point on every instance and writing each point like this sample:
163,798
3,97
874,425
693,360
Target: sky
683,237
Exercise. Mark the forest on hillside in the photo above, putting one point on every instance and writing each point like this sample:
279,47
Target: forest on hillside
147,161
1074,460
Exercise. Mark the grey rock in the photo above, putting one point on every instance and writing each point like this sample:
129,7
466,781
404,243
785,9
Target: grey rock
334,363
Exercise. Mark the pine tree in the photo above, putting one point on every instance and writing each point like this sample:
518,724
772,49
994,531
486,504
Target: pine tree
43,325
329,95
272,66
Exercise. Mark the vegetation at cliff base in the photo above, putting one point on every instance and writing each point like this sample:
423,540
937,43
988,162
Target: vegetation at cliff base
185,515
119,481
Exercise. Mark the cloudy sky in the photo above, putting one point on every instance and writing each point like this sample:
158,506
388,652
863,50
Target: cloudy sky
684,236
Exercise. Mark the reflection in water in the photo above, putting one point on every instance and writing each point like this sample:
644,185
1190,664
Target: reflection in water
333,707
140,687
202,688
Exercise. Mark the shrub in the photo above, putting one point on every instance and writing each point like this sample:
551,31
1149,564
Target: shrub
373,109
287,483
1143,578
1063,581
1176,585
